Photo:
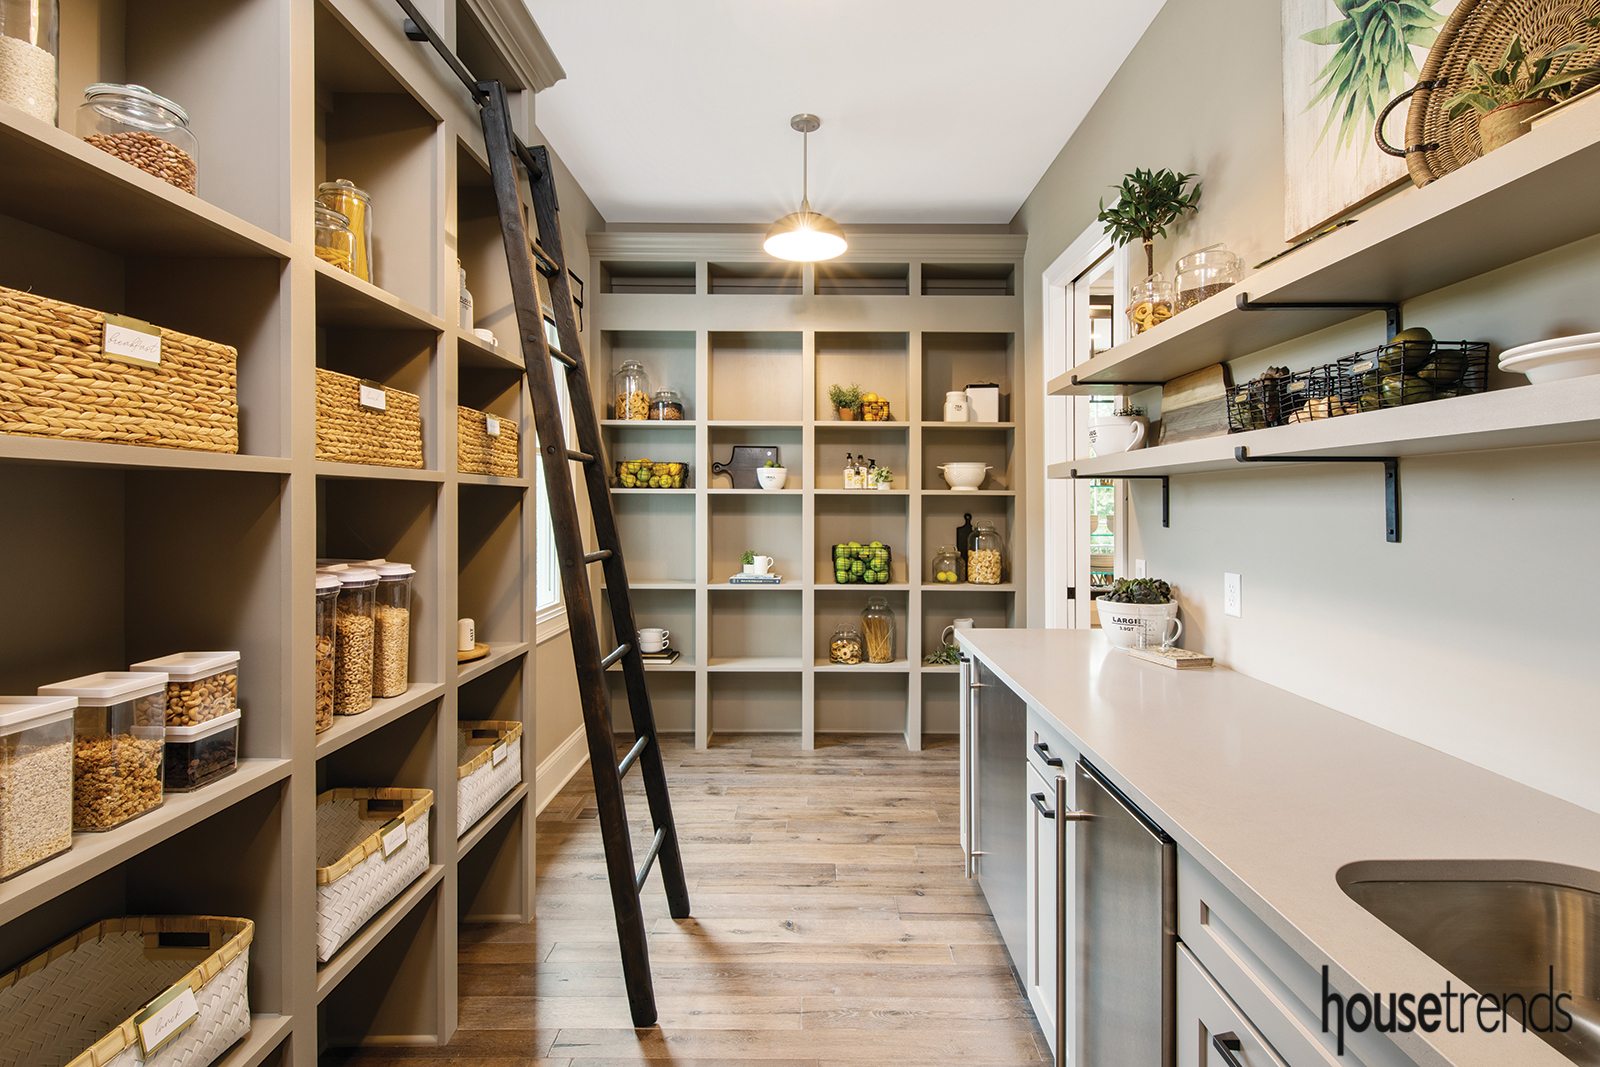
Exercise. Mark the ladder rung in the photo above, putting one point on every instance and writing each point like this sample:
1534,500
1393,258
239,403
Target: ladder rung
616,654
597,556
547,266
632,757
581,457
562,357
649,860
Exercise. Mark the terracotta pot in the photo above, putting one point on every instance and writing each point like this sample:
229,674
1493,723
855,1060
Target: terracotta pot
846,414
1508,122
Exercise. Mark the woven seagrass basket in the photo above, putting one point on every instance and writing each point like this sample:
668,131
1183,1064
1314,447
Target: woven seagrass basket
477,452
79,1003
355,879
55,382
488,766
348,432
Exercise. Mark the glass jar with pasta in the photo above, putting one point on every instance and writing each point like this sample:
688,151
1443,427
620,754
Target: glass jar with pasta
877,630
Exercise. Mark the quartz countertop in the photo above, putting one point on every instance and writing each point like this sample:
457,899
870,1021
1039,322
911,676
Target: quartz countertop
1273,794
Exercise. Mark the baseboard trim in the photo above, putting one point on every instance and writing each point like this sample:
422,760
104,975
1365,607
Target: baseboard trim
557,769
508,917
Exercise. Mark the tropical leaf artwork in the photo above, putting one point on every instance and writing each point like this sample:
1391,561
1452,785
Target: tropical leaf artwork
1370,64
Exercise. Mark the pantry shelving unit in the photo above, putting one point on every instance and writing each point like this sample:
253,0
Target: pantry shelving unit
752,345
123,553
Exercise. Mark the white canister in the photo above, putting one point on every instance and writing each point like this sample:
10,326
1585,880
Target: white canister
957,408
466,635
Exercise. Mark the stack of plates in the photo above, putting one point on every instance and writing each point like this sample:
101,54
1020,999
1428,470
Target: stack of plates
1553,360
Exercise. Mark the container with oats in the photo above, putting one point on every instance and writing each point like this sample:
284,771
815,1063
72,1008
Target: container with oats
355,625
117,745
200,685
28,50
392,631
35,780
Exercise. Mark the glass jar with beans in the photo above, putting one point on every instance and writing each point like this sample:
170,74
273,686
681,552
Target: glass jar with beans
142,128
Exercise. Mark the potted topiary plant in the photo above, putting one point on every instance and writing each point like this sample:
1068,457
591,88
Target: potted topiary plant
1516,90
1148,202
772,475
885,478
1139,604
846,401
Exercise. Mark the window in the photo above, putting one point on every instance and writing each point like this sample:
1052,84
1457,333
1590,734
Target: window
549,606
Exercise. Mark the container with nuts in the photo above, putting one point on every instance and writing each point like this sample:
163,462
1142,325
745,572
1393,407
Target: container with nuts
142,128
355,631
35,780
327,611
116,760
985,554
200,685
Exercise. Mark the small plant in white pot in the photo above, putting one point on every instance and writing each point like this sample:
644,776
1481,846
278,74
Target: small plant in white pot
1139,604
772,476
885,478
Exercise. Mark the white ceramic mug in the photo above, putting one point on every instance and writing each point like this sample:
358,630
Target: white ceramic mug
948,636
653,639
1110,434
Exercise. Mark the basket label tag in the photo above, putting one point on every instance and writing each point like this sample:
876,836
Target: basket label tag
165,1018
131,341
393,837
491,426
373,396
498,754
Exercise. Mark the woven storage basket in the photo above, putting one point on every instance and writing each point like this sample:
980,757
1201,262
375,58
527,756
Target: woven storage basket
54,382
479,453
480,780
1479,30
77,1003
350,433
355,880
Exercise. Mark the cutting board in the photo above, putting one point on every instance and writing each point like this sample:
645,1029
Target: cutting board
1195,405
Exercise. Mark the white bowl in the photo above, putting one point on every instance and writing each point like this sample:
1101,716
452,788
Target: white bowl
772,477
1556,364
1554,342
966,476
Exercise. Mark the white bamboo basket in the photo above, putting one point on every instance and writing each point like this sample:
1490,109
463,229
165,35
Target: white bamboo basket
80,1003
355,878
488,766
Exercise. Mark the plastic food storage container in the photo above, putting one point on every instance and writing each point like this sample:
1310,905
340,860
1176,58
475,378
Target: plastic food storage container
356,207
336,243
118,734
1204,274
392,640
877,630
355,625
199,755
631,388
328,586
666,406
985,554
142,128
35,780
28,56
947,565
844,646
200,685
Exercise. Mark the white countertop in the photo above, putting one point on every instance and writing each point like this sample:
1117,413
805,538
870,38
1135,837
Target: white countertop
1274,793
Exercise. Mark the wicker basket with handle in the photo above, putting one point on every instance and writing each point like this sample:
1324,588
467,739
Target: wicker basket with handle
351,432
488,766
356,875
81,1002
56,381
480,452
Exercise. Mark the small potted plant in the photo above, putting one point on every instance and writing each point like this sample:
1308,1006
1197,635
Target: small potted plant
1136,604
1516,90
1123,430
773,475
1148,202
885,478
846,401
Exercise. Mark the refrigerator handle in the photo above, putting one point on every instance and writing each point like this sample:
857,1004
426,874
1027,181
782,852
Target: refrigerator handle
968,713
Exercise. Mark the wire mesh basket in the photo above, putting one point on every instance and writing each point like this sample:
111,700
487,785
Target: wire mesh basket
855,564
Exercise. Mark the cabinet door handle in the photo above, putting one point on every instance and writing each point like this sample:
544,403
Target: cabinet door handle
1038,802
1228,1047
977,685
1044,754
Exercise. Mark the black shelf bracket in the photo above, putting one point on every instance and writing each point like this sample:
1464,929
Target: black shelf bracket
1141,385
1391,479
1166,489
1391,312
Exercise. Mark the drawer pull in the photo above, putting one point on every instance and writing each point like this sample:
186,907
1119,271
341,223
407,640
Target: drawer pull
1044,754
1228,1047
1038,802
1066,816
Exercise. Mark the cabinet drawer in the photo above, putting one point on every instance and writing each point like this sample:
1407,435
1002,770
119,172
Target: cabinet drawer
1043,733
1206,1012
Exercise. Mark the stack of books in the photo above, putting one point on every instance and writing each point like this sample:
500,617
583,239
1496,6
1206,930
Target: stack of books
756,579
666,655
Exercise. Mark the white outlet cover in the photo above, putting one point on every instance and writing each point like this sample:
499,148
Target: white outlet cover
1138,568
1230,595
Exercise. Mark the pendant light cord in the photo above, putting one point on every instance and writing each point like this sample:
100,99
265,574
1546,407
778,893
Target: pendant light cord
805,172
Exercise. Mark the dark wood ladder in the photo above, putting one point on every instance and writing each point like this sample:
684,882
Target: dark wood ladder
523,258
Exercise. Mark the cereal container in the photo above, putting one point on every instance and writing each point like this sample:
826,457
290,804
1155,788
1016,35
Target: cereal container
392,638
35,780
985,554
200,685
354,630
142,128
117,741
327,609
630,385
199,755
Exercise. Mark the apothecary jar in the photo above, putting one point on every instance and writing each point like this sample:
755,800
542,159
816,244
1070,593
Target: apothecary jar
877,630
985,554
1204,274
947,565
631,387
142,128
844,646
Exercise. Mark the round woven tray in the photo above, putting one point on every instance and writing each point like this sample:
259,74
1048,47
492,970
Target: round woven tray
1480,30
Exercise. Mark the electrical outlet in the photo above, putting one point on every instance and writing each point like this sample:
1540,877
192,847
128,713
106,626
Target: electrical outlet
1230,595
1138,568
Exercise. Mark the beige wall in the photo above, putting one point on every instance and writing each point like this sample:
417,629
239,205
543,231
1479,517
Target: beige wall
1471,635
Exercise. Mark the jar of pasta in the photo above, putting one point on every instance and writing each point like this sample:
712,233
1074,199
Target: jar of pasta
356,206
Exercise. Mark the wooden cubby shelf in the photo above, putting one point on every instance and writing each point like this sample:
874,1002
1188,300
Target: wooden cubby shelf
499,655
384,710
336,970
480,829
132,457
267,1032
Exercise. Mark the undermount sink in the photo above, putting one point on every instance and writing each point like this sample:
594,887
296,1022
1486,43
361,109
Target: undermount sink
1500,927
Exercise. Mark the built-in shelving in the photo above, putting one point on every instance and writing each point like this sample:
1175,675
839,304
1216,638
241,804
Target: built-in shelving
384,710
336,970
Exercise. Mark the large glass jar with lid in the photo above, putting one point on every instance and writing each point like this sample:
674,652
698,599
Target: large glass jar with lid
143,128
1149,303
28,56
947,565
986,554
844,646
335,243
631,387
877,630
1204,274
356,206
666,405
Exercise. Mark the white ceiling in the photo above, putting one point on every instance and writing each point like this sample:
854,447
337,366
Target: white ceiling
933,111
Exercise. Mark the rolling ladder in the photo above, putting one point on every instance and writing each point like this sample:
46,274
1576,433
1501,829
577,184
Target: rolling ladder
546,256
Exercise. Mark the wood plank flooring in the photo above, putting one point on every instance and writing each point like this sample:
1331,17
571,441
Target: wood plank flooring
832,926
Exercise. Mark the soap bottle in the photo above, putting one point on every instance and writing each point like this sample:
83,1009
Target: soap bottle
849,470
872,475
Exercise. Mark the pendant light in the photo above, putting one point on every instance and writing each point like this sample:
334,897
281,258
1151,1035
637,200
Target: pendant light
805,236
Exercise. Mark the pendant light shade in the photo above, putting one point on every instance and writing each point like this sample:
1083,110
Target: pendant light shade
805,236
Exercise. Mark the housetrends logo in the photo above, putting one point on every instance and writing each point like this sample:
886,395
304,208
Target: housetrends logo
1408,1011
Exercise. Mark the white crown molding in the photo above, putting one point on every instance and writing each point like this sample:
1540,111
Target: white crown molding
511,27
864,247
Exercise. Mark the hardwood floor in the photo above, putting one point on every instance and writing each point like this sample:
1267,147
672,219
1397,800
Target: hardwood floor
832,926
